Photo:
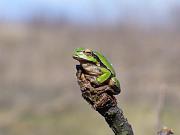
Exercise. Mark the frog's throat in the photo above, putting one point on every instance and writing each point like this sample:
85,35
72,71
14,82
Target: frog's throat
85,62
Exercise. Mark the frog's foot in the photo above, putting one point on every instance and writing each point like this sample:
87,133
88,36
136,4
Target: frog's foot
115,86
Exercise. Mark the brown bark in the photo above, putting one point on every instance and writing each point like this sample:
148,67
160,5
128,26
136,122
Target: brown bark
104,103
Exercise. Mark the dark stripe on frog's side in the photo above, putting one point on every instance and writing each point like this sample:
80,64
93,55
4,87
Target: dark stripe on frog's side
104,62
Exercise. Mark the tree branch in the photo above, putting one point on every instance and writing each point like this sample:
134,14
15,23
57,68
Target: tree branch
117,122
104,103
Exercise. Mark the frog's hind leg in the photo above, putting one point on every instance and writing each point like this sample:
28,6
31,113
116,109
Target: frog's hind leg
104,77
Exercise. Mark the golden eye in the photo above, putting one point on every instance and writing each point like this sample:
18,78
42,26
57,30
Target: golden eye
88,52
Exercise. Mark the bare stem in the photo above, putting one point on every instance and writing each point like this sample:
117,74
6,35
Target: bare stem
105,104
117,122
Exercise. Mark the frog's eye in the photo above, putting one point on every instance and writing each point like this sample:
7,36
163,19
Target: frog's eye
88,52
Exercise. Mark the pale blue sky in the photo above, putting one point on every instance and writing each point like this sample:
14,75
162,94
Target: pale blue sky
89,10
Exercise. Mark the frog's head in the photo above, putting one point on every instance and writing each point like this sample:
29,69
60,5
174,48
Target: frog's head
84,55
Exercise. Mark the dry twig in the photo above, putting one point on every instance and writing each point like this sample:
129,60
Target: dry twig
105,104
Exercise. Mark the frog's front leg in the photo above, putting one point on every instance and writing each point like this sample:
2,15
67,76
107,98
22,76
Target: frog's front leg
79,71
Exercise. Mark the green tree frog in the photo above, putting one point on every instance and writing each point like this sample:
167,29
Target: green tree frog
98,68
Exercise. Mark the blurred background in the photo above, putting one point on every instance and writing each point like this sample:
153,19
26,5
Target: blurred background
39,94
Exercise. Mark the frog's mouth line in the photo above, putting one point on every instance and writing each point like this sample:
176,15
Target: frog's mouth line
78,58
81,60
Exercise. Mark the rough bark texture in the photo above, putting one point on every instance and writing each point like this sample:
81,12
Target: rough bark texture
104,103
116,120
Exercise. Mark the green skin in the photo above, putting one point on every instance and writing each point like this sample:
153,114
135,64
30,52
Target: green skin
97,68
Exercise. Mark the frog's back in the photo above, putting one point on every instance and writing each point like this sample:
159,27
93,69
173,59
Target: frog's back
105,62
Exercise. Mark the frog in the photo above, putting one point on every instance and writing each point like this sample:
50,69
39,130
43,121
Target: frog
97,68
